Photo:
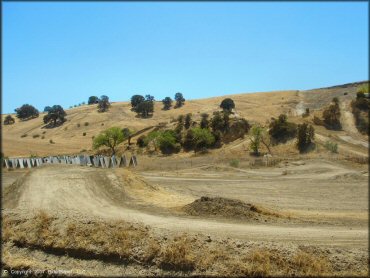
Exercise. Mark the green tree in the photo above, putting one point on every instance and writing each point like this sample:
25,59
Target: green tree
305,135
187,123
56,114
204,122
255,136
9,120
149,98
180,100
145,108
47,109
103,104
135,100
110,138
93,100
227,105
26,112
167,103
202,138
220,122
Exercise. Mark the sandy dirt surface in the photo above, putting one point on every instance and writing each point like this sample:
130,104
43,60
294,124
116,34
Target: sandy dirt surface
96,192
322,205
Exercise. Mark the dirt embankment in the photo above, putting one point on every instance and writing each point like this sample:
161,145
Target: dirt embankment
230,209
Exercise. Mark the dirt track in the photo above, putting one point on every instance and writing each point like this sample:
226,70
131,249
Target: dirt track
101,193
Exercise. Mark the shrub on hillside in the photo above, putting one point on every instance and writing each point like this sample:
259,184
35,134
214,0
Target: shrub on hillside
331,115
360,109
198,139
331,146
305,135
281,130
9,120
141,141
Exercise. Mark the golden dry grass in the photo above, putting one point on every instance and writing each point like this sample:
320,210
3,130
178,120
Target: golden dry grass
69,137
136,244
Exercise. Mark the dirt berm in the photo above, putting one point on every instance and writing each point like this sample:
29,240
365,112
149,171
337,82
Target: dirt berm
229,208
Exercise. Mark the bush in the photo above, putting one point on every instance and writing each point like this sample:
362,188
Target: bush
305,136
84,134
360,110
43,137
199,138
331,116
51,141
9,120
281,130
234,163
141,141
167,142
86,123
35,136
187,123
78,125
331,146
23,135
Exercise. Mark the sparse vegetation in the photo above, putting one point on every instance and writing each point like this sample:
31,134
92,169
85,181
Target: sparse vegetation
234,163
331,146
24,135
35,136
9,120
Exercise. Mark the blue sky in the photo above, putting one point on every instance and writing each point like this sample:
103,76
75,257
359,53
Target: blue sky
62,53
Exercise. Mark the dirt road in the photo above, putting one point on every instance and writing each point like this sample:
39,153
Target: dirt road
95,192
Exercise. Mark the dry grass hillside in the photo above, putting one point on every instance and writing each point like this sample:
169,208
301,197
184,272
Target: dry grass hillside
30,137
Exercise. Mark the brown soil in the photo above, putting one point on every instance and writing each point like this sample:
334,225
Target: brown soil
228,208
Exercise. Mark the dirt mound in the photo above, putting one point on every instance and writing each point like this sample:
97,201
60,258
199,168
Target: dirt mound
229,208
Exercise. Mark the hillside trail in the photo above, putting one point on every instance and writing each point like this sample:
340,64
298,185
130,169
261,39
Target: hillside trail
88,192
348,125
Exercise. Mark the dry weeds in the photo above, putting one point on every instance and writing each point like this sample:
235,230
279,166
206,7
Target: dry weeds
125,243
